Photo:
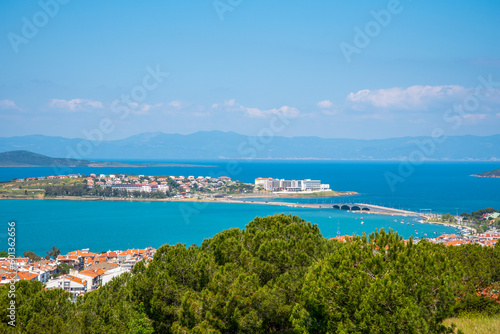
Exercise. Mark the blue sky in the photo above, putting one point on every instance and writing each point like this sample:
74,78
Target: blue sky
235,65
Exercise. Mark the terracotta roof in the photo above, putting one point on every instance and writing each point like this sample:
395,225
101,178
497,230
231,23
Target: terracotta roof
93,272
75,279
26,276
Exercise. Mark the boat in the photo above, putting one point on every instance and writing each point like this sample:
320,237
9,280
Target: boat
412,225
362,222
425,234
395,220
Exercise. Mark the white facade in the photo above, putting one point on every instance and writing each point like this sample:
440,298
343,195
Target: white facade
112,273
271,184
68,283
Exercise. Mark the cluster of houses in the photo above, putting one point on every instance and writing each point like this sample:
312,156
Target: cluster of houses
282,185
145,183
139,183
487,239
52,177
89,270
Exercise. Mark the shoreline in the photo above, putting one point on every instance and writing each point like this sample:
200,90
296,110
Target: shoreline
396,212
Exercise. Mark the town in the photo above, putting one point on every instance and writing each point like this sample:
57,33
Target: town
77,272
82,271
149,186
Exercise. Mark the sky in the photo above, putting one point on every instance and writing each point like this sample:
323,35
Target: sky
333,69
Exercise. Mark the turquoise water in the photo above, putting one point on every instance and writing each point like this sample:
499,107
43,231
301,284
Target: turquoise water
104,225
443,187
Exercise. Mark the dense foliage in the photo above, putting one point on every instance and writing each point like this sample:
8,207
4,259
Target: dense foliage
475,219
278,275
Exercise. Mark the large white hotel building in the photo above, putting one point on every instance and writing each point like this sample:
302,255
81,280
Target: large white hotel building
271,184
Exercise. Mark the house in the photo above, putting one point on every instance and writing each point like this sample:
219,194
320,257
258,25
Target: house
224,178
26,276
112,273
74,285
92,276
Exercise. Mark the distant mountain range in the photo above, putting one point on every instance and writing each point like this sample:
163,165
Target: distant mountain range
30,159
229,145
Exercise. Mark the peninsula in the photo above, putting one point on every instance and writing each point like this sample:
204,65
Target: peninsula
152,187
492,173
30,159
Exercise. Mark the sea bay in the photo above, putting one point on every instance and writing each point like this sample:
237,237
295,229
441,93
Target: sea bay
103,225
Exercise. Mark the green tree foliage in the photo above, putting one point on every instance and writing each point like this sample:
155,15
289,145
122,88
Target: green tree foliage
38,310
53,253
379,285
481,274
4,254
278,275
63,269
32,256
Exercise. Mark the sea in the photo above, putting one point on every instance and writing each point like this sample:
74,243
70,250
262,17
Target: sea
438,187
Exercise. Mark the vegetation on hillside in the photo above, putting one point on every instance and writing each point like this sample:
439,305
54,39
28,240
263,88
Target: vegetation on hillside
491,173
278,275
481,224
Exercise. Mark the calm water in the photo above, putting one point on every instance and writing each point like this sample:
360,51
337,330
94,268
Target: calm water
104,225
442,187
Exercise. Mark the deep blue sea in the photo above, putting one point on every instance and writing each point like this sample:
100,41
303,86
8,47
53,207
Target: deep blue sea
68,225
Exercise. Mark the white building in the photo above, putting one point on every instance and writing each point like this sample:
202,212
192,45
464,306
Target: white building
69,283
271,184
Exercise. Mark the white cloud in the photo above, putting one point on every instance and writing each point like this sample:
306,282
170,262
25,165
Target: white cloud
386,103
325,104
75,104
411,98
474,118
251,112
143,108
178,104
8,105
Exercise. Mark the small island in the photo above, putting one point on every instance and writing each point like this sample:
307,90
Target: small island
492,173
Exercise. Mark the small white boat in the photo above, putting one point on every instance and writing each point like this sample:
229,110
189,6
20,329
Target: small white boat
362,222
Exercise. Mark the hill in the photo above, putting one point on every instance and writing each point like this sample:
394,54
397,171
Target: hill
230,145
491,173
30,159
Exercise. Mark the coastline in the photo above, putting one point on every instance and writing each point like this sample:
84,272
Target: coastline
242,200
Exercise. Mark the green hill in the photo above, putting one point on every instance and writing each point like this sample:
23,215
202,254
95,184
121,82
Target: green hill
491,173
30,159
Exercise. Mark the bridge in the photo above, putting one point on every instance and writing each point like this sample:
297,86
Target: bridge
362,207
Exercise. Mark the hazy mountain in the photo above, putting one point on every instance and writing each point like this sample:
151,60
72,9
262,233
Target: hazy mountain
217,144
